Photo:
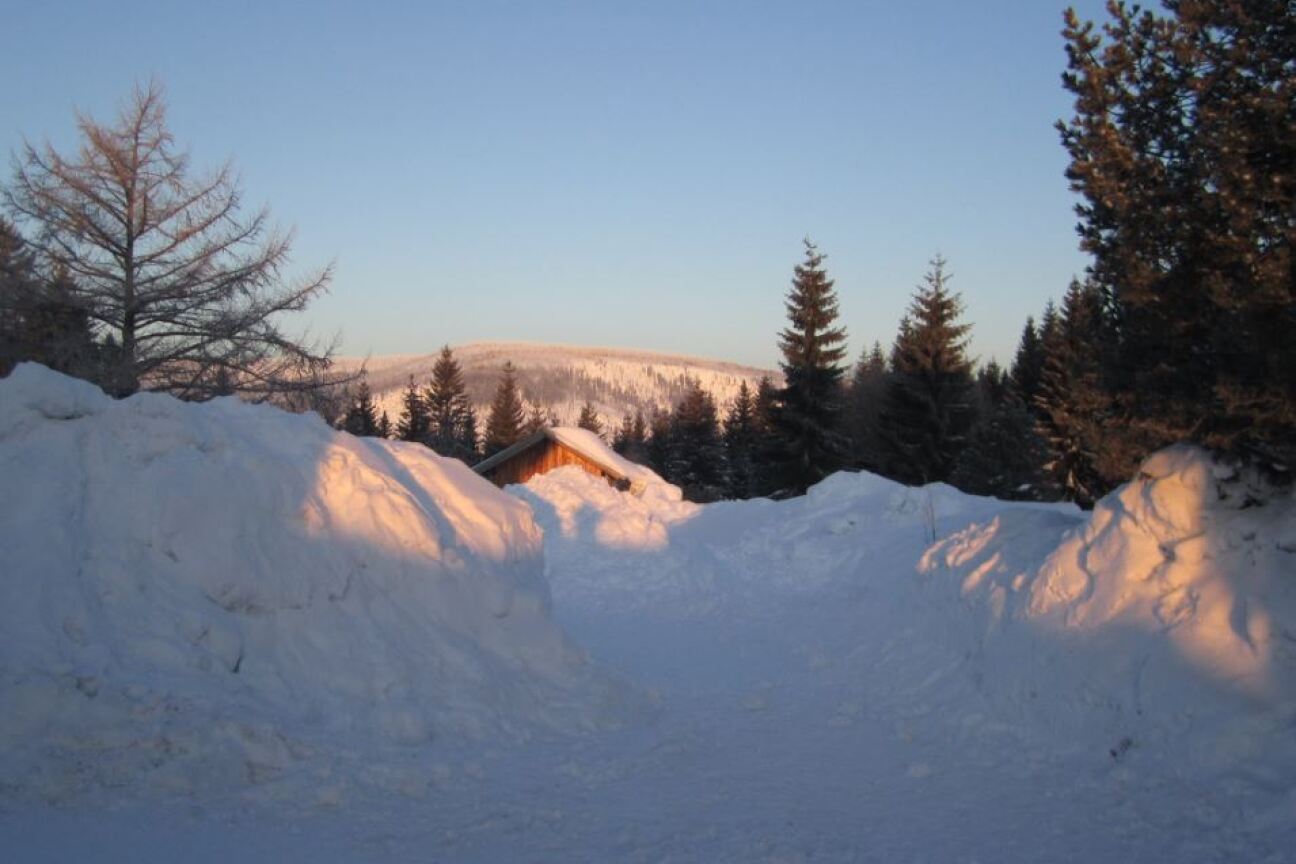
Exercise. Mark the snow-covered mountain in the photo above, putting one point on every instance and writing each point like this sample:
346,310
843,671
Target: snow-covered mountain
562,377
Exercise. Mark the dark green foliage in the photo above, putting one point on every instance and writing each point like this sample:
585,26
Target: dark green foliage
659,441
807,416
589,419
929,407
1005,456
505,424
1182,147
384,426
864,395
631,439
1087,454
452,423
41,319
695,459
1028,365
413,423
741,442
362,417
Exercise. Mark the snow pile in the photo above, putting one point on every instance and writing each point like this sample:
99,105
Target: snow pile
1166,621
576,503
592,446
214,595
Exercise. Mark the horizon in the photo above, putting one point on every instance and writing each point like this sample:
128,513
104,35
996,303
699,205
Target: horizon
646,173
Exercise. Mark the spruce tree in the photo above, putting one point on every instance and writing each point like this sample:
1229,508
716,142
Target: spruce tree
1181,147
1086,456
808,414
451,422
1028,365
929,407
413,423
362,417
505,423
589,419
659,443
864,396
740,442
1005,457
695,457
384,426
536,420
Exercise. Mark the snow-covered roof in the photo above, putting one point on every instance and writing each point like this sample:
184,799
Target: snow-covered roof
582,441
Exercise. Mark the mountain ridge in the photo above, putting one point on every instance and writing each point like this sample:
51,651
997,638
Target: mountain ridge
561,378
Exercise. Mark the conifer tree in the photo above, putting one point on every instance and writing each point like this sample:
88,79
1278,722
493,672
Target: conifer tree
1028,365
536,420
413,423
505,423
1005,456
864,396
384,426
659,443
469,446
740,443
621,437
808,414
1086,458
929,407
695,458
589,419
362,417
1181,146
451,423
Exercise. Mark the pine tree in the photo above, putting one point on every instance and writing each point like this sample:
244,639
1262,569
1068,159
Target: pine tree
1028,365
1005,457
413,423
362,417
536,420
451,421
1181,146
808,414
695,457
864,396
384,426
589,419
740,442
659,443
469,449
929,408
1076,414
505,423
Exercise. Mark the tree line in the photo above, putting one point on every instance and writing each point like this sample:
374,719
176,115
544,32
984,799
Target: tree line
120,265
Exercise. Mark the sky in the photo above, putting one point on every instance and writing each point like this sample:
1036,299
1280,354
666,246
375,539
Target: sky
619,173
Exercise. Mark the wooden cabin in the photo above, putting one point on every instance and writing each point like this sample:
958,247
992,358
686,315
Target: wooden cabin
548,449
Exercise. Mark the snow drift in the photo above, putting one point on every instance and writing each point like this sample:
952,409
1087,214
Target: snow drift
214,593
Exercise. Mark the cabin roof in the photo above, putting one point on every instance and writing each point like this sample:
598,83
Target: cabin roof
581,441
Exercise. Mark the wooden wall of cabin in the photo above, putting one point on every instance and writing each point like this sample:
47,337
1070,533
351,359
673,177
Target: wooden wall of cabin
539,459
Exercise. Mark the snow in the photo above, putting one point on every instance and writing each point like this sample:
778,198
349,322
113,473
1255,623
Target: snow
212,596
593,447
869,672
563,377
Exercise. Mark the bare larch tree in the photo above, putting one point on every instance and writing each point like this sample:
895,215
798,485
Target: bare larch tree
184,289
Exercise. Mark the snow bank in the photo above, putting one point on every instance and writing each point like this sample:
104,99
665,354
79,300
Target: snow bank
1167,620
215,594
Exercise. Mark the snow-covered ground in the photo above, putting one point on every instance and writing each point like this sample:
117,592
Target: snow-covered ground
868,673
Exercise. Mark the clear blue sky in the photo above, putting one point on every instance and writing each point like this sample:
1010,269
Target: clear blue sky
615,173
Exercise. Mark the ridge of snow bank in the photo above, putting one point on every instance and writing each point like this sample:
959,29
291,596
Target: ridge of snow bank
214,594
